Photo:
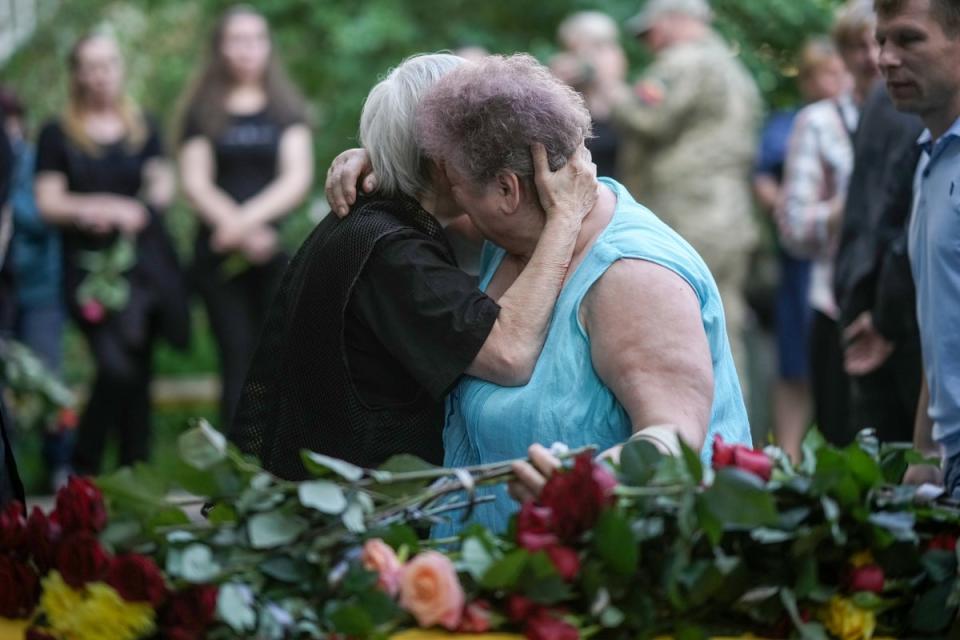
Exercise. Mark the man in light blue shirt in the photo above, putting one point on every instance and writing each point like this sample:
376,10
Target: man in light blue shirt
920,50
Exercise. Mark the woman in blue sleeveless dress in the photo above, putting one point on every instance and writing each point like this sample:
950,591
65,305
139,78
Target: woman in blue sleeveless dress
637,338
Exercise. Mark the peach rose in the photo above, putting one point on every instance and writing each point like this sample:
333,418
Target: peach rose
378,556
431,591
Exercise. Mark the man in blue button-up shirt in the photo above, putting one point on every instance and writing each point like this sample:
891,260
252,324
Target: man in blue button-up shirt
920,59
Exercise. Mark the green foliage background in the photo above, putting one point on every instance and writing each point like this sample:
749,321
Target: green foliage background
337,49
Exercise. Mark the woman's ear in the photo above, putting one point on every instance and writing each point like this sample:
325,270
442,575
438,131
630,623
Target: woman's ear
509,192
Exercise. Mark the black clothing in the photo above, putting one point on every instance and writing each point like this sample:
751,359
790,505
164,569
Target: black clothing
122,343
873,269
829,383
246,155
119,399
237,309
10,486
871,263
372,325
157,286
603,148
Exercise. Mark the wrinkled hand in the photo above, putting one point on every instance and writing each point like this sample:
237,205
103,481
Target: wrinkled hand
571,191
260,245
866,349
344,174
532,476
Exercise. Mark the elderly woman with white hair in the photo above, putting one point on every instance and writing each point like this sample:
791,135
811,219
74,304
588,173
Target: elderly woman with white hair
374,323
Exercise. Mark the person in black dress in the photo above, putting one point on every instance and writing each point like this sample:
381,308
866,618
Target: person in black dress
246,162
101,175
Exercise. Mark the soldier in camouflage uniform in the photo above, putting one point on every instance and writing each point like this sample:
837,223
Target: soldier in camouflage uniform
689,132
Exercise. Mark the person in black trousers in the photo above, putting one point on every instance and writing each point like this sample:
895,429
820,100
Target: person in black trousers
246,162
873,282
101,175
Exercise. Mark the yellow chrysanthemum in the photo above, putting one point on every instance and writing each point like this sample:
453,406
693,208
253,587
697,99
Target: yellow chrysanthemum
847,621
59,600
861,559
107,616
94,613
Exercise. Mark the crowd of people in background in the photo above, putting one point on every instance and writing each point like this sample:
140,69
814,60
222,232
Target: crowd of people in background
831,180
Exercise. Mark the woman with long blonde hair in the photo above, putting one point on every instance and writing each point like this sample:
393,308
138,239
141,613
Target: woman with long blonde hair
103,179
246,162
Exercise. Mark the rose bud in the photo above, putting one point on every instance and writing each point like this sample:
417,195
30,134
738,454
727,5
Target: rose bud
12,527
544,626
565,560
80,506
43,536
476,617
93,311
19,588
942,542
137,579
869,577
722,453
756,462
81,559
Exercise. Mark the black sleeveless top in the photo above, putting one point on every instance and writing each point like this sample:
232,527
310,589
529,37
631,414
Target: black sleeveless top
371,326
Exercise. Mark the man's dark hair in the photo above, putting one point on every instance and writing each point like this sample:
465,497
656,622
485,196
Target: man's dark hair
945,12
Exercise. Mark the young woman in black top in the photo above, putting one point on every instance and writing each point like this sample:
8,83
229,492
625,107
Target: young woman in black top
101,175
246,161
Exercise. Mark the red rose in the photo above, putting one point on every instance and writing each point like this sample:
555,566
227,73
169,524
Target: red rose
43,535
12,527
869,577
942,542
533,528
565,560
188,613
520,608
476,617
81,559
80,506
19,588
576,498
756,462
543,626
137,579
93,311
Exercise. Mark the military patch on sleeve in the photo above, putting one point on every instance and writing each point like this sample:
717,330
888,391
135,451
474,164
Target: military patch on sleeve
651,91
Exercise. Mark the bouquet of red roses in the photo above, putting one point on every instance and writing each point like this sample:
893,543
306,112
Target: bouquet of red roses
56,573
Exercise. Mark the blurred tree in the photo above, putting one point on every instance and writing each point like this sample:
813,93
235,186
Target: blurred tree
337,49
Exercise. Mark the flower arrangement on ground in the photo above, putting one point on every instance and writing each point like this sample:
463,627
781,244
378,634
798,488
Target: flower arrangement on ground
653,546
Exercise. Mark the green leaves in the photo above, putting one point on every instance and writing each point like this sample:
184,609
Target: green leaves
639,461
326,497
202,447
321,465
615,544
273,529
739,498
505,572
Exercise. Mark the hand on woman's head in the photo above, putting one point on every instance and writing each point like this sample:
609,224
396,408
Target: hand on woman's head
572,190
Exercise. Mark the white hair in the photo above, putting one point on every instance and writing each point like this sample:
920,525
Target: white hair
388,123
